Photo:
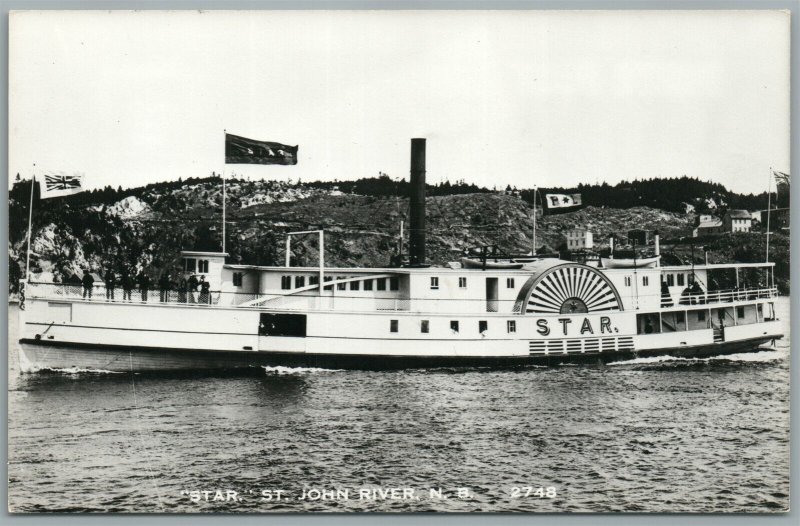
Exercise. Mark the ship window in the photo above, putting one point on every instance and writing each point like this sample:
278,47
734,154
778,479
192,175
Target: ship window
648,323
760,311
701,315
313,280
328,287
462,283
282,325
392,325
286,282
691,279
511,325
394,284
681,278
424,326
627,281
645,280
740,312
454,326
237,279
341,286
483,326
189,264
670,280
367,284
299,281
355,285
509,283
434,282
381,283
202,266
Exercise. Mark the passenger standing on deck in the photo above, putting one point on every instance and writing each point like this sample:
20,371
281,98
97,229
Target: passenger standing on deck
666,297
127,285
88,284
164,285
182,289
144,285
111,283
205,287
191,287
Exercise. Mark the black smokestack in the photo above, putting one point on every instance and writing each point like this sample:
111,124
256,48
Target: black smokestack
417,235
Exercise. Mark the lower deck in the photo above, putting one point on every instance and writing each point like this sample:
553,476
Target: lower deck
253,335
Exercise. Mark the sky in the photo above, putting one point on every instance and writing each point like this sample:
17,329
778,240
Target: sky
523,98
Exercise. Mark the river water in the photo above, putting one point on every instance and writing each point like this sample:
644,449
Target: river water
650,435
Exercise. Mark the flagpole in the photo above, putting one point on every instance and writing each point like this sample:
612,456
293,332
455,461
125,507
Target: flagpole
30,225
224,196
769,206
533,252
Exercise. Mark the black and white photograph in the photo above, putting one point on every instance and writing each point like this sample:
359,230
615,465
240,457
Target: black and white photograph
399,261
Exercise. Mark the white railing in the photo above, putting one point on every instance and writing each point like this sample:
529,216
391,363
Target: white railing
718,296
99,294
56,291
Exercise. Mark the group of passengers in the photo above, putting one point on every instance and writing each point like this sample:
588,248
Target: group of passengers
189,288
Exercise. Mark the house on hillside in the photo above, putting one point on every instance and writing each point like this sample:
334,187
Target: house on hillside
579,239
737,221
707,225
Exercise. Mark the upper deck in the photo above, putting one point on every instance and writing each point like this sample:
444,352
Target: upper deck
542,287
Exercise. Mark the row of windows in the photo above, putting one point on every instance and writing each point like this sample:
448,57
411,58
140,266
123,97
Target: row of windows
425,326
681,279
369,284
670,280
677,321
645,281
462,283
195,265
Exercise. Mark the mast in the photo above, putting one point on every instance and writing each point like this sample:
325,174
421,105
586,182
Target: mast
30,226
224,196
223,211
769,206
533,252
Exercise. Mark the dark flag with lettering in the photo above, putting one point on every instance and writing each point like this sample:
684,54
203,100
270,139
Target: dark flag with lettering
241,150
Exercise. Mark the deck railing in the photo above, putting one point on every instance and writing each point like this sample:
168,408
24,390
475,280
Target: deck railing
58,291
718,296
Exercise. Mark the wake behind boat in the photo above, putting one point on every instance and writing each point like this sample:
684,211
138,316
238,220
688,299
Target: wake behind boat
502,313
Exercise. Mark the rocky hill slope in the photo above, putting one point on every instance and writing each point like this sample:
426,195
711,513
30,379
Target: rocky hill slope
146,230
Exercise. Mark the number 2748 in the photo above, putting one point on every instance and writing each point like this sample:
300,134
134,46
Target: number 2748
530,491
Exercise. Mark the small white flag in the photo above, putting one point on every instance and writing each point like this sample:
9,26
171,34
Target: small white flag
562,200
60,184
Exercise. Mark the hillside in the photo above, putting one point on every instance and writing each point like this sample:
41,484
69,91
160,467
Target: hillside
149,226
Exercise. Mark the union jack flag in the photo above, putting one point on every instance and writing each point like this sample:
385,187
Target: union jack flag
61,184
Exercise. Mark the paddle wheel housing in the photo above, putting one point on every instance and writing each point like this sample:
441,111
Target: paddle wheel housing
567,288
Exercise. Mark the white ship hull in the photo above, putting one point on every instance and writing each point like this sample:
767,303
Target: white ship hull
123,337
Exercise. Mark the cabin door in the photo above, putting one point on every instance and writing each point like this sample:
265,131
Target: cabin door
491,294
282,332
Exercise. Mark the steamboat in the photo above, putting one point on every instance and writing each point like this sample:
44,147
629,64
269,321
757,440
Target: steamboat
534,310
